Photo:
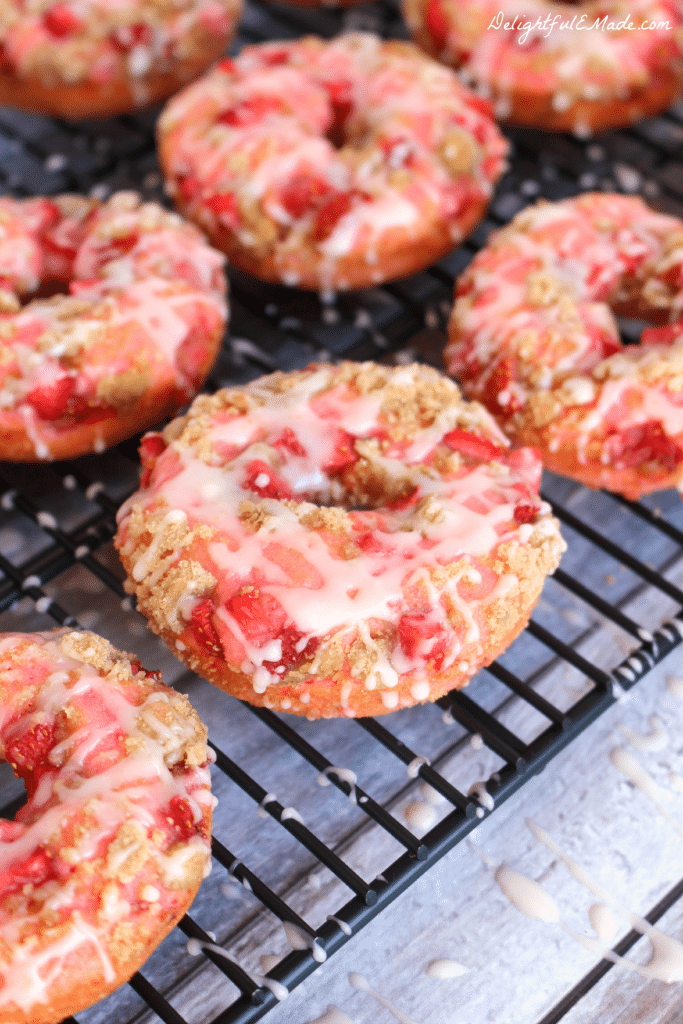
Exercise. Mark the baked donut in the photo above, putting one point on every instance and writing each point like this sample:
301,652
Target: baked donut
114,841
91,58
533,337
582,68
130,345
331,165
337,540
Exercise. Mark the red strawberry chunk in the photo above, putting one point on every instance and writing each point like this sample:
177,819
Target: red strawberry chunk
497,394
151,447
305,192
225,207
646,442
128,36
203,629
422,638
264,481
34,870
251,111
332,212
288,441
525,512
343,455
662,335
472,446
260,616
50,400
437,23
27,752
60,20
290,638
180,813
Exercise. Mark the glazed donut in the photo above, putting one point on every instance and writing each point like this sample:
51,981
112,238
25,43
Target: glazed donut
114,841
533,337
560,67
337,540
331,165
91,58
130,345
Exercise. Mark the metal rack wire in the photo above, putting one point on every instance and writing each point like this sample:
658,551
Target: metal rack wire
56,526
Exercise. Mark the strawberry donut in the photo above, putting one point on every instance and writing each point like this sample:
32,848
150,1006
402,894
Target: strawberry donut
114,841
337,540
331,165
131,343
533,337
583,68
91,58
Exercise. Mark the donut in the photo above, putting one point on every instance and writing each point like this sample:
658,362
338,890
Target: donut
114,841
337,540
533,337
91,58
331,164
584,68
129,345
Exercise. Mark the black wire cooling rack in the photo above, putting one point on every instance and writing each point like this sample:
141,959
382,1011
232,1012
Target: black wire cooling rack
622,577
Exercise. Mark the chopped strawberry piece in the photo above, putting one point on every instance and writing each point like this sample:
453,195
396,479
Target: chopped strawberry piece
251,111
304,192
525,512
662,335
203,629
374,545
472,446
480,584
260,617
477,103
422,638
128,36
225,207
189,187
341,93
437,23
35,870
264,481
151,447
343,455
50,400
60,20
182,818
27,752
227,65
405,501
274,55
289,639
332,212
644,443
497,395
288,441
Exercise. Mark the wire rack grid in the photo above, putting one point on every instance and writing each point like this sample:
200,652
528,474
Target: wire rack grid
622,578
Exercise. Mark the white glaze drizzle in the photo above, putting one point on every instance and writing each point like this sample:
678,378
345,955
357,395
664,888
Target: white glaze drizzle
344,775
300,939
445,968
333,1015
626,763
656,739
359,983
420,815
